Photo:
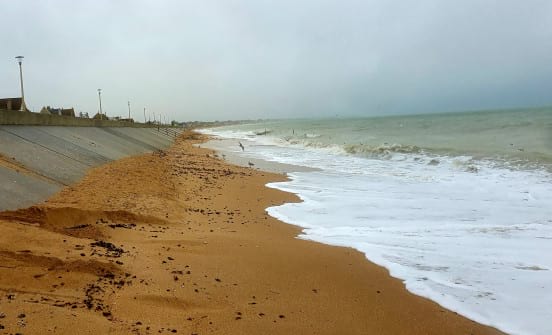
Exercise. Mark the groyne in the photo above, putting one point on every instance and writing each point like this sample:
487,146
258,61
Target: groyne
37,161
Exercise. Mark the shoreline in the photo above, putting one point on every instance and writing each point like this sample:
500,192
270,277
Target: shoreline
224,147
192,250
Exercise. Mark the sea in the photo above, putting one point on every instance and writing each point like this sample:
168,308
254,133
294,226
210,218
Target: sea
456,205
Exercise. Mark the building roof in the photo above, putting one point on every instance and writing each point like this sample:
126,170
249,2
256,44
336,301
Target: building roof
58,111
11,104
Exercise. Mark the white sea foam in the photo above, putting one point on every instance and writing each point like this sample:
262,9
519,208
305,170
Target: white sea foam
473,236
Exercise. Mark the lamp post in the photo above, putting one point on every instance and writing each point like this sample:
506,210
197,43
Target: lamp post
20,61
100,99
145,115
129,110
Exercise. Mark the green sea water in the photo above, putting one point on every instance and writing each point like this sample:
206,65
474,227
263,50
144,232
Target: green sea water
521,137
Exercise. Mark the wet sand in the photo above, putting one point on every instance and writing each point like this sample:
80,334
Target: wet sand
179,242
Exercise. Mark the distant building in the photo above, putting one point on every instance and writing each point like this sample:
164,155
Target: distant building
99,116
58,111
127,120
12,104
68,112
179,124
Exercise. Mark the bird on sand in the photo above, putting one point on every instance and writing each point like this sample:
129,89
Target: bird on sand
250,164
241,146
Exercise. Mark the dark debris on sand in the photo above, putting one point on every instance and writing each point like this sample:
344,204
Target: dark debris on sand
110,249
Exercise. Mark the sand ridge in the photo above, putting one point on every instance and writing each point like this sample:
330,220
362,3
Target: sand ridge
178,241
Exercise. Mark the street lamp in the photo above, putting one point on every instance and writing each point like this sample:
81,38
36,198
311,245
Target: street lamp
100,98
129,110
144,114
20,61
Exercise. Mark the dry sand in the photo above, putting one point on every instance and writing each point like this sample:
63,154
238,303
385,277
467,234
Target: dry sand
179,242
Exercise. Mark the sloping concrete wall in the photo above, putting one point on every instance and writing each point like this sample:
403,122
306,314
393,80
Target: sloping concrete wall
36,161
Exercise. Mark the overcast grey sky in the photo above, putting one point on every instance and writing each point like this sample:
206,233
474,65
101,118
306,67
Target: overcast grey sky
235,59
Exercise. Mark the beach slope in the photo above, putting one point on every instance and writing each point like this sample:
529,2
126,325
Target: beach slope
178,241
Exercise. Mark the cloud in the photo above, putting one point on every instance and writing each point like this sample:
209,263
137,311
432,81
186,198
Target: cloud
232,59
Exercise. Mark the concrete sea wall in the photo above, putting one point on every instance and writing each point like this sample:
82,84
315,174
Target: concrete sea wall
37,161
10,117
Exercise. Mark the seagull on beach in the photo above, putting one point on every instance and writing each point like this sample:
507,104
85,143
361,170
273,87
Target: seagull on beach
250,164
241,146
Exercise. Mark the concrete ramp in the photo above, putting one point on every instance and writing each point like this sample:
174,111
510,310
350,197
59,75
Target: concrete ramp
21,190
35,161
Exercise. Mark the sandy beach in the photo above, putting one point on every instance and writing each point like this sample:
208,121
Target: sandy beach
178,241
